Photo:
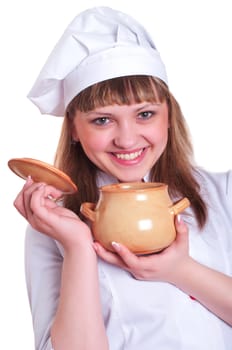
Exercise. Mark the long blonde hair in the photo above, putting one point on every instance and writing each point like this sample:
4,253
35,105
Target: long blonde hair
175,166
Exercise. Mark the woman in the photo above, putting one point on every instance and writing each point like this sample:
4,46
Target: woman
123,124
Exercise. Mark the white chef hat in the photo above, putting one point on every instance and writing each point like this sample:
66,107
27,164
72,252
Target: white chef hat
99,44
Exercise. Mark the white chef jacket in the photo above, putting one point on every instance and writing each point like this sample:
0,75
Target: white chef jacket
144,315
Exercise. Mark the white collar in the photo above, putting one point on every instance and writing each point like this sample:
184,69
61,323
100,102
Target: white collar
104,179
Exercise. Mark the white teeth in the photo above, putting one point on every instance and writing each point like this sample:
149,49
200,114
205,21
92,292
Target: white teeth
129,156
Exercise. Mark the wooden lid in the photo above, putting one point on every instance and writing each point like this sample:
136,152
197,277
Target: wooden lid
42,172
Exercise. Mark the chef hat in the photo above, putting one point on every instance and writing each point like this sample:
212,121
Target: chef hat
99,44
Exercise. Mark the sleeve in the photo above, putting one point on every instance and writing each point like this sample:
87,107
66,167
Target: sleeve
43,264
229,186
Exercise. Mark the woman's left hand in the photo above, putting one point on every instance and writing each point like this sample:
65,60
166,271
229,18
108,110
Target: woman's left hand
162,266
174,265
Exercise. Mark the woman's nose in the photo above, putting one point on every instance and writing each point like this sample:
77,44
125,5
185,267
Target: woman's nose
126,137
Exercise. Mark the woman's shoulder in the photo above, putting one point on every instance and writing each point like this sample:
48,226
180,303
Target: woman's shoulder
219,183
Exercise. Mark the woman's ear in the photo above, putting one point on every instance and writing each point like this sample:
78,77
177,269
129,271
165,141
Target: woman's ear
75,135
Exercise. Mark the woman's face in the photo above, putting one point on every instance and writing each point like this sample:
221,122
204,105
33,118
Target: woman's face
123,140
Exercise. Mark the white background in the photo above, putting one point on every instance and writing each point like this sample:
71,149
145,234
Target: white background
194,39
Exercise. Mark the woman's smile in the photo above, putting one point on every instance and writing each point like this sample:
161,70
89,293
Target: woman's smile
128,158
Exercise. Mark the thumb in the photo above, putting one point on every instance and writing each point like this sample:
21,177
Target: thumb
181,230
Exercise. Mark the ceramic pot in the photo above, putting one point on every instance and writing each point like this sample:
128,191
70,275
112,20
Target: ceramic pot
138,215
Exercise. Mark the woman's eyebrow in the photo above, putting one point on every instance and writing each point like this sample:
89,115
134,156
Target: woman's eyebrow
148,105
97,113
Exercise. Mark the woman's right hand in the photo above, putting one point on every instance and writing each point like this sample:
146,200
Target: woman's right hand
37,203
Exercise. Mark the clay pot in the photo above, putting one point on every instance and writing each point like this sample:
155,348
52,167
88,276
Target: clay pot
138,215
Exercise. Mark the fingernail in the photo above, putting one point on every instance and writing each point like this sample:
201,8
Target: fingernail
180,220
116,246
28,179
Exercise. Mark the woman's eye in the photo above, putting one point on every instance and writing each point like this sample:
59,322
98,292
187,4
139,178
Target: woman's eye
146,115
101,121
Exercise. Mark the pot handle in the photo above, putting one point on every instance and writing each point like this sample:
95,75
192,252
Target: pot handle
87,209
180,206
